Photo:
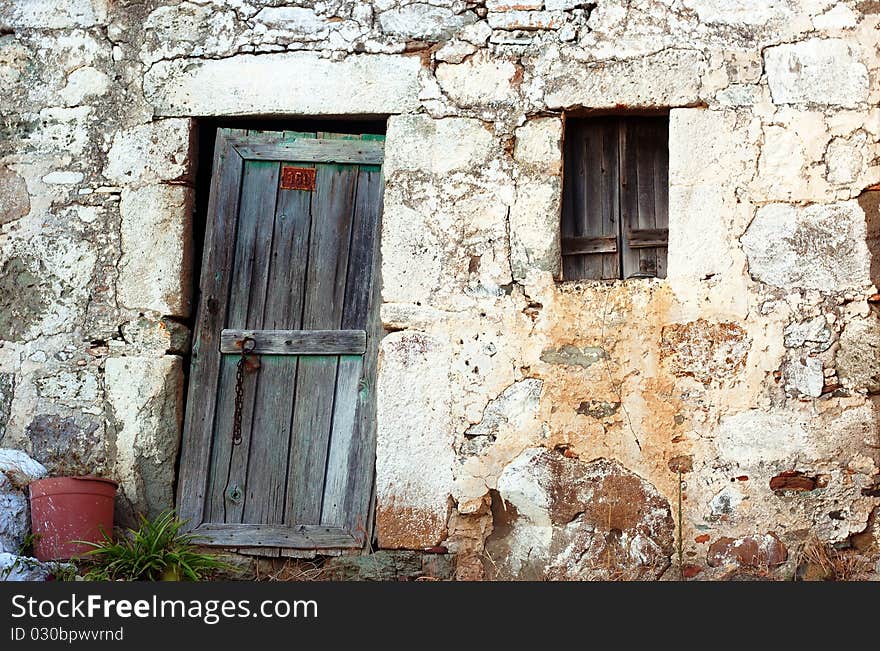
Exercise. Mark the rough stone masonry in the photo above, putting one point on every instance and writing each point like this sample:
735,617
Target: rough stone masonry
536,429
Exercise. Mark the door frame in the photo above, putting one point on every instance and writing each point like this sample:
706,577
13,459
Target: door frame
232,148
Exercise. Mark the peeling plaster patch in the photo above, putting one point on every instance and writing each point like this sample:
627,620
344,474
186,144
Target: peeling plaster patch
573,356
576,521
513,409
754,437
705,351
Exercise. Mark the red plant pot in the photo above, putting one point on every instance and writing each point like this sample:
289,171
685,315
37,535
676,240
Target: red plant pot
65,509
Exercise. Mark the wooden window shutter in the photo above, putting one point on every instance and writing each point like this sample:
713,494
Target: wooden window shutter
591,211
615,198
644,155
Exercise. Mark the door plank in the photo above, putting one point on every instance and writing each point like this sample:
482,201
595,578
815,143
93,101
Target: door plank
342,461
267,465
250,273
332,212
296,342
256,535
198,431
273,404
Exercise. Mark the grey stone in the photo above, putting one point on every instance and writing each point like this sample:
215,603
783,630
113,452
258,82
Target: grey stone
14,200
22,568
805,376
13,516
7,390
423,22
813,334
24,296
383,565
19,468
67,445
858,358
574,356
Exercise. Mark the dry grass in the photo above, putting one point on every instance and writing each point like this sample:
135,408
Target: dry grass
818,560
297,570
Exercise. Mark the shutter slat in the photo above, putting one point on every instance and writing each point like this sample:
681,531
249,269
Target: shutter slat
644,238
589,245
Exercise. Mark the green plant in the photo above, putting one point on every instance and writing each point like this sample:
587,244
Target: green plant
157,551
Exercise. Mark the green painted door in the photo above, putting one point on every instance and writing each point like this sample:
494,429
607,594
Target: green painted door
288,272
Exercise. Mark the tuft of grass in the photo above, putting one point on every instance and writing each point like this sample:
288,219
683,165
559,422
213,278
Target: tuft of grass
157,551
820,561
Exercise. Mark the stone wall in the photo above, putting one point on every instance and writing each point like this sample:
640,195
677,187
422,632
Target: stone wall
535,428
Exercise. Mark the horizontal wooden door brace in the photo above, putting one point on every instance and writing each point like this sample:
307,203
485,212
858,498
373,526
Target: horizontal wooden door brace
295,342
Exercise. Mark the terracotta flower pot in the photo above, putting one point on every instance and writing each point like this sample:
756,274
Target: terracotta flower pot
65,509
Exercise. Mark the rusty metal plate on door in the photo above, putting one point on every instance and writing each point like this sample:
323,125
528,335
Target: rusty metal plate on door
297,178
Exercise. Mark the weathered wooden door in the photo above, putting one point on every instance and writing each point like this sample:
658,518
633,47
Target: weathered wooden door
289,270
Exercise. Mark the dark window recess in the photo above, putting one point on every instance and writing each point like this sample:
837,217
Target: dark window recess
615,199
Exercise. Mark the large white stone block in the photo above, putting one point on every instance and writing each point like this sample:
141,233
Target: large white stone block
19,467
151,153
146,398
419,143
480,80
41,14
288,83
534,226
668,78
817,71
818,246
414,456
154,271
421,20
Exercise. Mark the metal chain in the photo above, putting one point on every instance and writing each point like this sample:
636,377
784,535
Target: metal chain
247,345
